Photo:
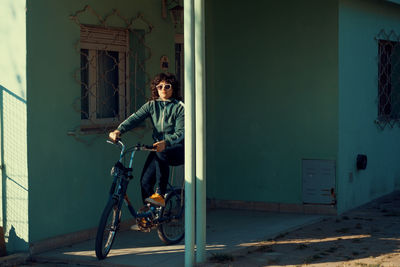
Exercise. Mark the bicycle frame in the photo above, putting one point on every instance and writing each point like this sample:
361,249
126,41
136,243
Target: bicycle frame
122,177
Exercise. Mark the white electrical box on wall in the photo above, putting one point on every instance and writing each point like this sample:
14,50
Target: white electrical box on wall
319,181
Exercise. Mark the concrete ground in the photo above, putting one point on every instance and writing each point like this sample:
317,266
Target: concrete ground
368,236
228,231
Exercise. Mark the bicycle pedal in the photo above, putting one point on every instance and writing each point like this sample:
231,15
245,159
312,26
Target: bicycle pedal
140,228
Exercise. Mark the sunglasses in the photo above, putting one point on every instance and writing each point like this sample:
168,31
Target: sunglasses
166,86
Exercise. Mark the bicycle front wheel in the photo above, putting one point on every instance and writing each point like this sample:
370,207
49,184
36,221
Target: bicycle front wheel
173,229
107,229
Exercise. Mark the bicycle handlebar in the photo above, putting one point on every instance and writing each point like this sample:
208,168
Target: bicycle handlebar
138,147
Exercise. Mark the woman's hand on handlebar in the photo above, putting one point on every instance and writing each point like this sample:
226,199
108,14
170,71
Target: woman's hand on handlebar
160,146
114,136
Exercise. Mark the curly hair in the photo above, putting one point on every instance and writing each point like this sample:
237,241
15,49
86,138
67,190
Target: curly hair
168,78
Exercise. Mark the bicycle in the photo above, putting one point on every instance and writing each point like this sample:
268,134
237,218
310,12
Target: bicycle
168,220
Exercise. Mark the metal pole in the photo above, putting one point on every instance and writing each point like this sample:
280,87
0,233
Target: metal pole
190,137
3,199
200,131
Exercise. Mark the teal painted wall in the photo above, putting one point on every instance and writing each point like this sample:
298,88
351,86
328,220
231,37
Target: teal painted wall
14,188
272,95
279,90
359,23
68,177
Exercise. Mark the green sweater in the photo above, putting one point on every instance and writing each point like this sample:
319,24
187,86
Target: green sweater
167,117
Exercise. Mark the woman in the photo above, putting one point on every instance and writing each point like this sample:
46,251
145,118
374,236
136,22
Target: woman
166,112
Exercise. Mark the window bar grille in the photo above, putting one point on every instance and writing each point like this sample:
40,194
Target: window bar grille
388,100
112,71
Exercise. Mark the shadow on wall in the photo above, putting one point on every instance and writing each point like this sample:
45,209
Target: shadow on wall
12,188
15,243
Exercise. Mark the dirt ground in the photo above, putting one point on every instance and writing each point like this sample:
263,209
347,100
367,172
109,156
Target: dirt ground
365,237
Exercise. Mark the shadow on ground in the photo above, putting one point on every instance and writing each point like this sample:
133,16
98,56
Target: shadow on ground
370,233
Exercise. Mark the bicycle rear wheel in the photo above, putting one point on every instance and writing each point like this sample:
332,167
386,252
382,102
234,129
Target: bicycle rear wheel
107,229
173,229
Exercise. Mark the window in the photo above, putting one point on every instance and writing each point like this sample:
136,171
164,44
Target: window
389,81
104,76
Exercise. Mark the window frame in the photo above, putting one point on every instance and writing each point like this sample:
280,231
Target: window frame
94,39
385,83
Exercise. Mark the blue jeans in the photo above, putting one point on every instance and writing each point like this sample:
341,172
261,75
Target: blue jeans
156,169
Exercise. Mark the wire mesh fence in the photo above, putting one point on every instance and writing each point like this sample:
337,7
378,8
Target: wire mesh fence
388,79
112,73
14,170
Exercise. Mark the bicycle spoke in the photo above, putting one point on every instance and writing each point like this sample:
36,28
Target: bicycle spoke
109,240
106,232
173,229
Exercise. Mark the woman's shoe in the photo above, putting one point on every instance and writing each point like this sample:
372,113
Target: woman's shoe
156,199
